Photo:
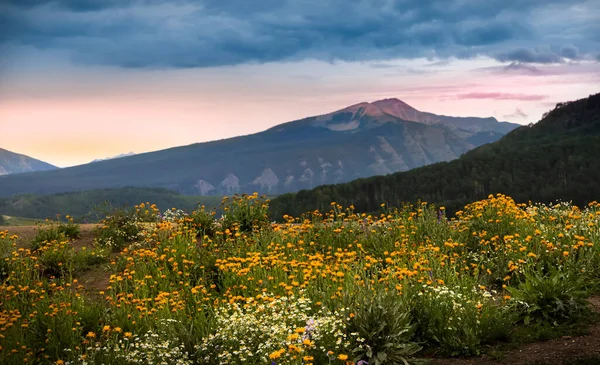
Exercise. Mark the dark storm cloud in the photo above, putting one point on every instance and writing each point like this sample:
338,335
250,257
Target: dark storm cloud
569,51
521,68
526,55
187,33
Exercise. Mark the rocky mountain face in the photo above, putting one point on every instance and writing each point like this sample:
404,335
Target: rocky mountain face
551,161
13,163
362,140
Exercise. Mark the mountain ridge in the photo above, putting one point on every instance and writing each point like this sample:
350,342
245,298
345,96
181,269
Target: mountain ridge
330,148
555,158
121,155
15,163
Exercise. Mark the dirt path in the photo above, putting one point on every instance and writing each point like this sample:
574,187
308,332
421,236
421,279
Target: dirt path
27,233
94,280
558,351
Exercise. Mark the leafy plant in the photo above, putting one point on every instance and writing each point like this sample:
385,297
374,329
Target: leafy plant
123,226
70,229
56,231
201,221
557,297
457,320
384,321
59,258
245,213
47,234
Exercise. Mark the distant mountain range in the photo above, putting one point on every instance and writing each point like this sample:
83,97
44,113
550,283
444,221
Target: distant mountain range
14,163
117,156
362,140
555,159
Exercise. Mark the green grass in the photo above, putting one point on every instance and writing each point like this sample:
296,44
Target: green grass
83,205
19,221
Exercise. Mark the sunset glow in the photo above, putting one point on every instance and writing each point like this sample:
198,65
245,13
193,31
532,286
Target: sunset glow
65,103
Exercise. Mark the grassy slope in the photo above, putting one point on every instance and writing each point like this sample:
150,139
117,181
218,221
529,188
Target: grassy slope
17,221
80,204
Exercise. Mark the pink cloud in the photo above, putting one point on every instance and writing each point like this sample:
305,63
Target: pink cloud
501,96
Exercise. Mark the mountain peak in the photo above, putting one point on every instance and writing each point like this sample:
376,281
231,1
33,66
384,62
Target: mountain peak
397,108
365,115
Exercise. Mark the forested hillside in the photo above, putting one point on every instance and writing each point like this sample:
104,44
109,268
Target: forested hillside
85,204
556,159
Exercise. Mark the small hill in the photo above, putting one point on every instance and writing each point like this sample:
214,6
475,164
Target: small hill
14,163
555,159
361,140
84,203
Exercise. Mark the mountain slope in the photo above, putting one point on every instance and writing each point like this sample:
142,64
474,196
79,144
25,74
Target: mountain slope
359,141
13,163
557,158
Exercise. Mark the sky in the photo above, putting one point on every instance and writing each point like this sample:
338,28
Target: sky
87,79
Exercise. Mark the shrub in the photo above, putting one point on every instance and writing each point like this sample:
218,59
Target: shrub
59,258
383,323
277,330
151,347
173,215
201,222
245,213
458,320
122,227
70,229
56,231
46,234
557,297
5,254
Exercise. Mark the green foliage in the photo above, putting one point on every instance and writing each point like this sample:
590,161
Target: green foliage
6,247
60,259
201,221
83,204
340,286
2,220
70,229
123,226
554,159
56,231
245,213
67,330
43,235
457,321
556,297
383,322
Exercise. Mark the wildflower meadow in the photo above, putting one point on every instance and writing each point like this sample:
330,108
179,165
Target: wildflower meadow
336,287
